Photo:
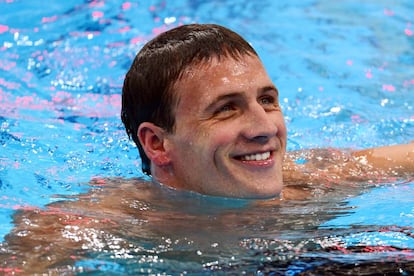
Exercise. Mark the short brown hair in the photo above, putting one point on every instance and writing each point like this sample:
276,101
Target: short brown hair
147,94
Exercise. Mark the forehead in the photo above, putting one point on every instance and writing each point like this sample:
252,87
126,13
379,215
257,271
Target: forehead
216,66
220,75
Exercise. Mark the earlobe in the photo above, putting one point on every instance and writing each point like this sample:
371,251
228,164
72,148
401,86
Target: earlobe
151,138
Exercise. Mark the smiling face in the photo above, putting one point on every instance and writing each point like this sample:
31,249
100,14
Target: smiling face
229,137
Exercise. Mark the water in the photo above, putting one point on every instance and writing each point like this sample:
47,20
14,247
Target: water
345,75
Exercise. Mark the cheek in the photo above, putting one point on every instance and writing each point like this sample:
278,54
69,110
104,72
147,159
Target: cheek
207,140
221,138
281,125
283,130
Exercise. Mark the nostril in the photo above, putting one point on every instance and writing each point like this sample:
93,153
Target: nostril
261,139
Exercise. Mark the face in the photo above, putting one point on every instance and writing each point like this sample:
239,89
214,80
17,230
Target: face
230,135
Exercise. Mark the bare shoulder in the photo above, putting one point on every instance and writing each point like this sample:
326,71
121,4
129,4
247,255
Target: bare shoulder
313,164
44,238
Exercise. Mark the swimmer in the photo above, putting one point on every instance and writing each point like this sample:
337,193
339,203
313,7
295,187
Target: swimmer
206,118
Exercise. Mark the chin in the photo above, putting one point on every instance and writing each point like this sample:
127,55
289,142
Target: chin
261,194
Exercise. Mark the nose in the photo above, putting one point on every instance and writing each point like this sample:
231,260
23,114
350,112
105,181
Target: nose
260,125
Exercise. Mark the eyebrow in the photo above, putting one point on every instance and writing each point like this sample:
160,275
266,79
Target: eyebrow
269,87
239,94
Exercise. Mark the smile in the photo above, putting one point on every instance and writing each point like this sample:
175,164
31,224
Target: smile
255,157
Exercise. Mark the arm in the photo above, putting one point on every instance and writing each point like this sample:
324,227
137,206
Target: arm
394,159
333,165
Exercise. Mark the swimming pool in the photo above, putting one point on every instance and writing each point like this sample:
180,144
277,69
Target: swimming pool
345,76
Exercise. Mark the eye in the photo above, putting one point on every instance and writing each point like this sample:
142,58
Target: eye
268,102
225,108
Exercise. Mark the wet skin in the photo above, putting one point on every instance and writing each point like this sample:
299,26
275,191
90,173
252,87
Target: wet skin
229,137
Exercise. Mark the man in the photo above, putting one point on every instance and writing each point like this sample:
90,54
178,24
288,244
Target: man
205,117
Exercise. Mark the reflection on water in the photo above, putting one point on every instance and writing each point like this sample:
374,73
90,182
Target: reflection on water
140,227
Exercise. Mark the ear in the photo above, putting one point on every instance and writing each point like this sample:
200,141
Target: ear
151,138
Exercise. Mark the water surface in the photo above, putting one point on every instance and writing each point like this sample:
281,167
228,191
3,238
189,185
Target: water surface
344,71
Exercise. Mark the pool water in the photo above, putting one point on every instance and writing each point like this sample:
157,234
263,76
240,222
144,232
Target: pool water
345,73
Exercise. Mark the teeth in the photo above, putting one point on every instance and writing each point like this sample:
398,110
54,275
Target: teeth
256,157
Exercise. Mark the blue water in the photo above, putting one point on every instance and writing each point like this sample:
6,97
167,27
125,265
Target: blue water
344,69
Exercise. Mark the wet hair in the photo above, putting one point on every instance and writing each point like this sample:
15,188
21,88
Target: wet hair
147,93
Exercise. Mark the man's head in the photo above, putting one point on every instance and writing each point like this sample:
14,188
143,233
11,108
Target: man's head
204,114
147,94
